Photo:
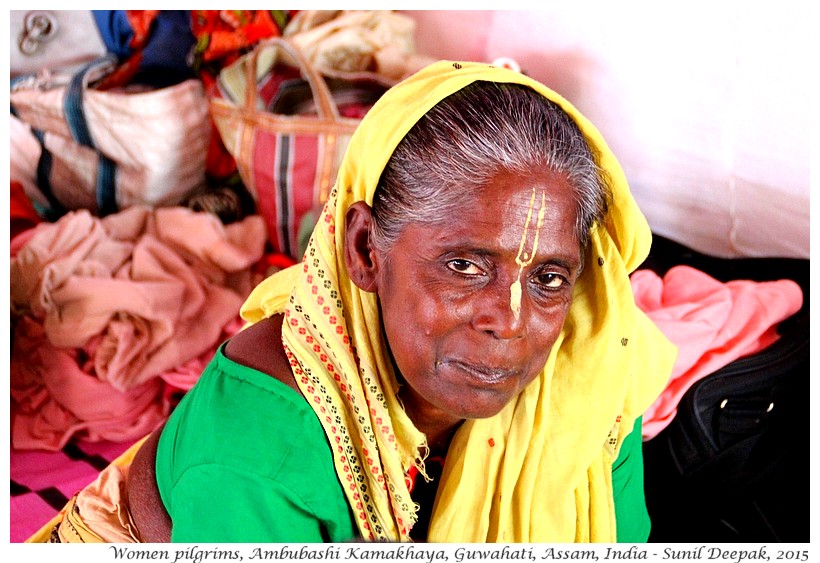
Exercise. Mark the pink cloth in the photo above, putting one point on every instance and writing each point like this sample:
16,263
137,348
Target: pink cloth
56,397
711,322
120,302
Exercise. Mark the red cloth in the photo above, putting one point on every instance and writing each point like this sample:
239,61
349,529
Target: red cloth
222,36
22,214
711,322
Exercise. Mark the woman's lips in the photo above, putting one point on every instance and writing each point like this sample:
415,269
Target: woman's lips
484,373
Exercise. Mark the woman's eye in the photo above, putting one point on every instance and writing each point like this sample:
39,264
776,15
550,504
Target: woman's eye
464,267
550,280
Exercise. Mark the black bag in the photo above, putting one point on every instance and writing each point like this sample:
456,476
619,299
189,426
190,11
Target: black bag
733,465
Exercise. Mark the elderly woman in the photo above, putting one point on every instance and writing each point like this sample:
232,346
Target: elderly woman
457,358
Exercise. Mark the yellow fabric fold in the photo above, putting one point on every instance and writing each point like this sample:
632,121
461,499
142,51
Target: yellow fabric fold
540,470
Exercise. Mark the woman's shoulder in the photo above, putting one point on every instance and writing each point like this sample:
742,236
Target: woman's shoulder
259,347
245,402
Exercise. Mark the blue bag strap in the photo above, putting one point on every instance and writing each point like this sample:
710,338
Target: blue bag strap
56,208
43,178
106,190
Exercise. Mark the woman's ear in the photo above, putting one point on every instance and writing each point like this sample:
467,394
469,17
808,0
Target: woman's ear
360,259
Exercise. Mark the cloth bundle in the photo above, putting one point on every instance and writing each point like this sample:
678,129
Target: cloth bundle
102,307
341,43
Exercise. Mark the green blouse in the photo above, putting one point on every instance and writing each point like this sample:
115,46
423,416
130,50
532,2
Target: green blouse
243,458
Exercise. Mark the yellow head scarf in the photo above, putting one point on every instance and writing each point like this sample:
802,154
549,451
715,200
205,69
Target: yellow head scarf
540,470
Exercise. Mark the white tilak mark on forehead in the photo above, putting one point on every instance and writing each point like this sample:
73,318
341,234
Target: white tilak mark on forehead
524,259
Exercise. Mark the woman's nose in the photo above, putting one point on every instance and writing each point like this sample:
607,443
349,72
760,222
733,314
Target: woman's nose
502,311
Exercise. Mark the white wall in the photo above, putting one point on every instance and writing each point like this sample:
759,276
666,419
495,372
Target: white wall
707,106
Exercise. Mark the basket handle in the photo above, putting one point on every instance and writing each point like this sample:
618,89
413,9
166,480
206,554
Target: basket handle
325,104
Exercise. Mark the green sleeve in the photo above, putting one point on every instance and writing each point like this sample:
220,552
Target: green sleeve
243,458
241,507
631,516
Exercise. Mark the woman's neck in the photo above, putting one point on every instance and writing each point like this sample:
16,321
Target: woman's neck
437,426
438,439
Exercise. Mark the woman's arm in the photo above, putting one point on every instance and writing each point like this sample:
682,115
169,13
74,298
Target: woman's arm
144,503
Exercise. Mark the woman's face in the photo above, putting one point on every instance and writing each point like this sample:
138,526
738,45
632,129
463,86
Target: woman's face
463,337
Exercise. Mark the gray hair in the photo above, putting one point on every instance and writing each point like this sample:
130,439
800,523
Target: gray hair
460,144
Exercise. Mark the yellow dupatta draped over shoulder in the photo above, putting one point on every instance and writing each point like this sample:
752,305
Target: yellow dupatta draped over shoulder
540,470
